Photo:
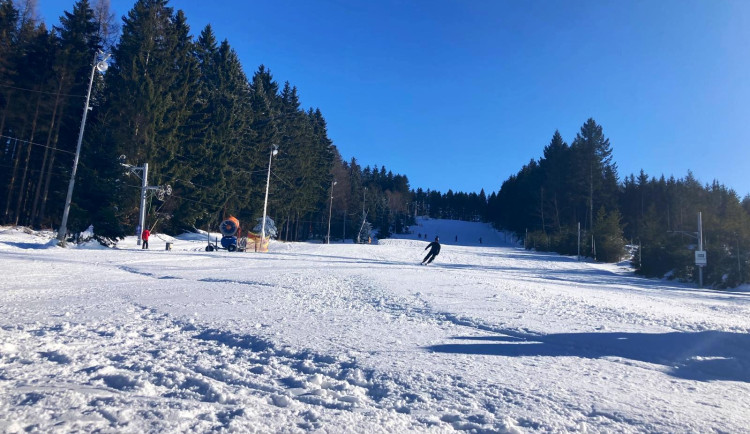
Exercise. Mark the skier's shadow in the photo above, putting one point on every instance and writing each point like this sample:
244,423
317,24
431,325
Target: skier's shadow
702,356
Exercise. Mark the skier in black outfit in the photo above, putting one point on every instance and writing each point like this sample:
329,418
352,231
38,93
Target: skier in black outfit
434,250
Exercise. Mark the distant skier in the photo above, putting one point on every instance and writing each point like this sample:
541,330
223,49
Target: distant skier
434,250
144,236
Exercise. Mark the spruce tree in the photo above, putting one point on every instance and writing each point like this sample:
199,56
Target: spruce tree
555,166
595,175
149,91
610,246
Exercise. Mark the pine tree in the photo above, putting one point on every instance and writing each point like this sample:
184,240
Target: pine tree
8,45
8,41
555,166
610,246
35,55
149,91
595,175
216,136
266,106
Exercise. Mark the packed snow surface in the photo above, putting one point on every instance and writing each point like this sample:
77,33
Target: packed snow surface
360,338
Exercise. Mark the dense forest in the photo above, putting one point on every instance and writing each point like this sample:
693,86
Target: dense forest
184,105
577,184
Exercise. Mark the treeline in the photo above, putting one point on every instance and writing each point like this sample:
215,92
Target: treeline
43,79
184,106
578,184
450,205
369,198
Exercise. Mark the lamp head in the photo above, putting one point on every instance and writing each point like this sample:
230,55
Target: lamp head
102,65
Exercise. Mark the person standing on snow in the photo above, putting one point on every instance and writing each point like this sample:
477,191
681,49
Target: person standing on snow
144,236
434,250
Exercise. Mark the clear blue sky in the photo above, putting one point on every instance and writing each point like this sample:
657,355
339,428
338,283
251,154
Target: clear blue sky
460,94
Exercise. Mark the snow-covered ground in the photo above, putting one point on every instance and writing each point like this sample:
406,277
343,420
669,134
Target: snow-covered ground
360,338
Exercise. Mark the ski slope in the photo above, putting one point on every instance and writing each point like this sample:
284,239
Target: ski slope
360,338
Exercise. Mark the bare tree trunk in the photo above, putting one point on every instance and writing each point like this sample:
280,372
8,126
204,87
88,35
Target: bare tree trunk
49,172
286,231
5,112
22,193
40,183
541,209
296,232
12,154
12,182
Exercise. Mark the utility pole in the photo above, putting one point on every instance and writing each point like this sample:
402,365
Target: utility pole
160,191
330,212
364,195
700,248
579,241
144,187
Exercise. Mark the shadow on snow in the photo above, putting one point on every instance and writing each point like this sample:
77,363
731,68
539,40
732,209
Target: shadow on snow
701,356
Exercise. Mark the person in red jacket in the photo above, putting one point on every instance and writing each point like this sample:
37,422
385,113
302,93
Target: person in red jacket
144,236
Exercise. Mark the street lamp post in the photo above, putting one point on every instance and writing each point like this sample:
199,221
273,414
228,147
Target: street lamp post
101,66
274,151
330,210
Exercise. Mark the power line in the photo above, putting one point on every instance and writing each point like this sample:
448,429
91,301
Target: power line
59,172
40,91
190,182
37,144
138,187
284,180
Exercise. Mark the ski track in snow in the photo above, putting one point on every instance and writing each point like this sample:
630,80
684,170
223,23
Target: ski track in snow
181,364
361,338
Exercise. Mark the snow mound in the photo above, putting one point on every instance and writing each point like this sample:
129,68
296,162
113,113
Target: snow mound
17,237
